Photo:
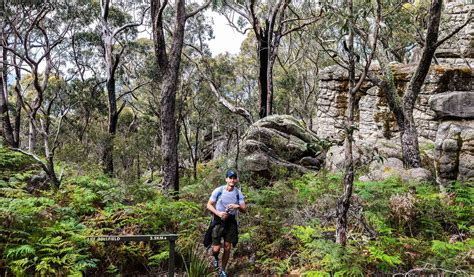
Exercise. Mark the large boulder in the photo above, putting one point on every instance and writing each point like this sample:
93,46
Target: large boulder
454,151
453,104
280,143
380,170
362,154
215,146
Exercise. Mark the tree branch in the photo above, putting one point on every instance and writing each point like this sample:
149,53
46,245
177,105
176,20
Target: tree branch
237,110
300,26
132,90
373,47
237,10
36,158
455,31
130,25
202,7
254,20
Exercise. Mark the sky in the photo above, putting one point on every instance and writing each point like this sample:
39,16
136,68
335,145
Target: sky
226,38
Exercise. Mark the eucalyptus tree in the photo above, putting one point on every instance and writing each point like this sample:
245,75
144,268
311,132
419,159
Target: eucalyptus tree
168,51
349,52
270,21
86,63
7,129
112,38
195,119
35,38
195,103
36,30
343,203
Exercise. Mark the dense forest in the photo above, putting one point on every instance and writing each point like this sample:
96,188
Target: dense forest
116,119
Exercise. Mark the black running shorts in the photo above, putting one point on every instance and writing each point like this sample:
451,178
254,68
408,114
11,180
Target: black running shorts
227,229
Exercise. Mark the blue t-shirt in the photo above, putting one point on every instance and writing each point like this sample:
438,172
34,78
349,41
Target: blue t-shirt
226,198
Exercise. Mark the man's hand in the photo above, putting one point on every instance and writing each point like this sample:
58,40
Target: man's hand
242,207
223,215
233,206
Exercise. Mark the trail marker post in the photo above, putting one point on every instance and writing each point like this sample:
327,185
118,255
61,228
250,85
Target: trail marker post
171,238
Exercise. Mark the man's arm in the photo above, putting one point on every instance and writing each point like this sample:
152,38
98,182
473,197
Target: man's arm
242,207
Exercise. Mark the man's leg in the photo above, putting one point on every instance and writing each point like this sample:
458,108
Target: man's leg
225,257
230,236
217,232
215,253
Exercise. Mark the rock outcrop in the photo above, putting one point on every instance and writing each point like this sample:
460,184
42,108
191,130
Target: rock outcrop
216,146
335,157
375,119
447,94
279,143
381,170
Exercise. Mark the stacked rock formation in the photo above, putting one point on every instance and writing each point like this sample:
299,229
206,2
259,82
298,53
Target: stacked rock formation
444,111
375,119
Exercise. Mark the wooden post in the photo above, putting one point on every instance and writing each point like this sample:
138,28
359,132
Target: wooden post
171,258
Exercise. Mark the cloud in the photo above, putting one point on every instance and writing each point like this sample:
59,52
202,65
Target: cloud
226,38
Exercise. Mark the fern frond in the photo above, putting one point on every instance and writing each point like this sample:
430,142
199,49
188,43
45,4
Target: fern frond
21,251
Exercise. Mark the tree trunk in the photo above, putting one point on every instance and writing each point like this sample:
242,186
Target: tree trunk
271,62
168,131
110,67
343,202
409,136
7,129
187,135
32,133
237,152
195,155
403,109
107,157
168,77
51,173
40,88
17,125
49,153
263,53
410,150
82,131
273,40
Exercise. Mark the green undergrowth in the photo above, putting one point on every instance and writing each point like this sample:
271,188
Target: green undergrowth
394,227
44,229
13,164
